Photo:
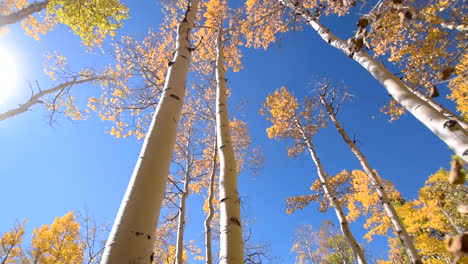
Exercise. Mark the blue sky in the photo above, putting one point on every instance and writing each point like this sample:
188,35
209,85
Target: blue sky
47,171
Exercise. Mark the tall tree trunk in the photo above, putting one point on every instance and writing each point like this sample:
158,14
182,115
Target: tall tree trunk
328,194
181,227
231,248
209,217
132,235
448,130
23,13
397,224
447,113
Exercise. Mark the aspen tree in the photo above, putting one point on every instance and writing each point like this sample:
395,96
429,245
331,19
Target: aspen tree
287,123
445,128
10,243
190,166
390,211
187,153
210,199
439,122
131,237
231,249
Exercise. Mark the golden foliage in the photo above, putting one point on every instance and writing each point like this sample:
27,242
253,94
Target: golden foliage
363,200
428,218
10,244
459,86
92,21
294,203
266,19
59,242
288,121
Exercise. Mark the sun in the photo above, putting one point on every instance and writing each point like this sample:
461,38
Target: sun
8,74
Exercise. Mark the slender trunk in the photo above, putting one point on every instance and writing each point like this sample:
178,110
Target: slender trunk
23,13
132,235
328,193
451,221
448,130
209,217
397,224
231,248
181,227
35,98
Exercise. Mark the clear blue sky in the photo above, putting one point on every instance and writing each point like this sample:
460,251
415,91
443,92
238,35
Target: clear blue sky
47,171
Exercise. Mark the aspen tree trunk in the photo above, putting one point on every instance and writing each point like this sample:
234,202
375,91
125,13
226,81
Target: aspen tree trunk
231,245
328,193
447,113
448,130
23,13
209,217
397,224
181,228
132,235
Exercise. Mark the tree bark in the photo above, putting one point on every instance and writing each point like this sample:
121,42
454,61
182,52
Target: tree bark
132,235
397,224
181,227
447,113
328,194
209,217
23,13
231,246
35,98
448,130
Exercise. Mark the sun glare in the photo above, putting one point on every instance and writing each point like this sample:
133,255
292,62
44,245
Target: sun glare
8,74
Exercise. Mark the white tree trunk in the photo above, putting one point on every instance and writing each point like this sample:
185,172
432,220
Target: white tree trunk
181,227
447,113
397,224
132,235
209,217
231,246
328,194
445,128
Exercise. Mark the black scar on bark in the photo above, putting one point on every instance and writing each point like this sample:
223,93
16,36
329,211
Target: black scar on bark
465,152
149,237
152,257
222,200
235,221
222,146
165,89
450,123
170,63
174,96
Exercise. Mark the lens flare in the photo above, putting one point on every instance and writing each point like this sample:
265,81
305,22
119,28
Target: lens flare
8,74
